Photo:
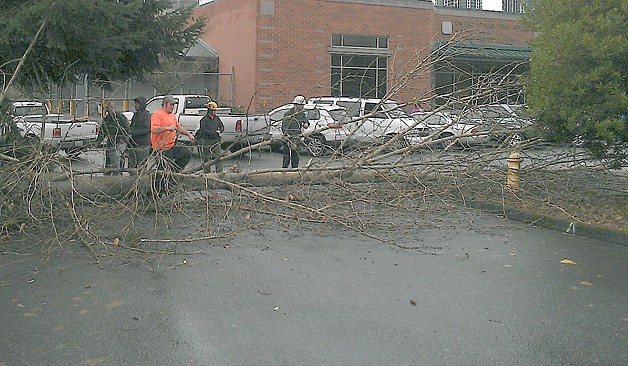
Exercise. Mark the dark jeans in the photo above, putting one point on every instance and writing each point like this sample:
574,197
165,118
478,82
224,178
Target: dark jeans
138,156
114,156
210,151
168,161
178,157
290,154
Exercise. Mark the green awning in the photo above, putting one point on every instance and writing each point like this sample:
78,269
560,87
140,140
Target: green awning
480,52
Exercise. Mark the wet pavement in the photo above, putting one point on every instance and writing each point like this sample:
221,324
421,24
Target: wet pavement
473,289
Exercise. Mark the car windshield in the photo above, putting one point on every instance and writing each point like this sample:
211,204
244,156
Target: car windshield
30,110
488,112
278,114
394,110
436,119
313,114
155,104
321,101
340,115
196,102
353,108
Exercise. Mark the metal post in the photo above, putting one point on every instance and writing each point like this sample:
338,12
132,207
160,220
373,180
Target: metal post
86,85
231,86
103,104
125,102
73,97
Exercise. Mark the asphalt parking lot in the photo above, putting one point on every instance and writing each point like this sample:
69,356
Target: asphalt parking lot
475,290
457,287
263,159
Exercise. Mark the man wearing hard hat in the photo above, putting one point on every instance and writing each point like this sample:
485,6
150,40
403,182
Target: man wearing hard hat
208,137
293,120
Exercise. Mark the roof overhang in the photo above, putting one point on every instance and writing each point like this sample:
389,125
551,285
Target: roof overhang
344,50
467,51
201,49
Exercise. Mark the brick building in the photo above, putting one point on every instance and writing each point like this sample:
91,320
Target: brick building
279,48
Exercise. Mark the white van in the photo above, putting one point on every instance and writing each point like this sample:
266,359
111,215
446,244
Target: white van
378,120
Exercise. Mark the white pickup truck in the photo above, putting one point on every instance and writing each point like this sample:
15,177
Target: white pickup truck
72,135
240,129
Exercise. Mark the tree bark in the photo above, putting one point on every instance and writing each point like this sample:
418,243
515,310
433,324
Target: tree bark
118,186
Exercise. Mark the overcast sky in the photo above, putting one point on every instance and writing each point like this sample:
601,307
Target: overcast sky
492,4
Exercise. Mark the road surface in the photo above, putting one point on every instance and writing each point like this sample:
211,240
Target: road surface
473,290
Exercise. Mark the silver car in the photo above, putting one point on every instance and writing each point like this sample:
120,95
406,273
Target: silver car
506,123
448,129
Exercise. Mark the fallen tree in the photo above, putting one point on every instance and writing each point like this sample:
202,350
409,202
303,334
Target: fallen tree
375,191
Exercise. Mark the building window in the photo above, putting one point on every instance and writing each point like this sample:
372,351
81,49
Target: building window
359,65
347,40
474,4
450,3
512,6
478,83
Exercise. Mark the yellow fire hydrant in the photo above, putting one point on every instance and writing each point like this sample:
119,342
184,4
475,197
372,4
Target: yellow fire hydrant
514,166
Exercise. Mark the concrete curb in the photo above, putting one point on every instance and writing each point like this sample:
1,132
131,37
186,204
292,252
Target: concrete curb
566,226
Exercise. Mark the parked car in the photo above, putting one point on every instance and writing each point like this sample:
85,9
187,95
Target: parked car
61,132
506,123
377,120
327,128
447,127
240,129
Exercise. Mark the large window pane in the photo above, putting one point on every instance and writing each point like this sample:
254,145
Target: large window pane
353,40
359,75
359,41
360,61
336,82
359,82
479,83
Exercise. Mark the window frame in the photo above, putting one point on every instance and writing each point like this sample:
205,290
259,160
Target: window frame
368,78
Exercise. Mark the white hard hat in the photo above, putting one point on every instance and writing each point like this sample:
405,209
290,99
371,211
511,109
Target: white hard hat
299,99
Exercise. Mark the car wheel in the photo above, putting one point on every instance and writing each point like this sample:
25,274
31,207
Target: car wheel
464,145
446,143
315,145
398,144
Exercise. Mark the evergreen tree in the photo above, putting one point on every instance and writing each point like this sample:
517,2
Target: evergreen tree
578,74
105,39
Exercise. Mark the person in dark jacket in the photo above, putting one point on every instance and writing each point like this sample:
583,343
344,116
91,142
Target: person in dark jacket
208,136
293,120
115,128
140,134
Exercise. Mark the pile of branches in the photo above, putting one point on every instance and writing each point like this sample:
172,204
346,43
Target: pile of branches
43,197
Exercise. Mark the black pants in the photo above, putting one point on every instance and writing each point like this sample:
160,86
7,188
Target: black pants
178,157
290,154
138,155
211,151
168,161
